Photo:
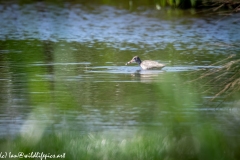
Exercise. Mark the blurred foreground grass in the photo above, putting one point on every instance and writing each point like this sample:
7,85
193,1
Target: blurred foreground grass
183,143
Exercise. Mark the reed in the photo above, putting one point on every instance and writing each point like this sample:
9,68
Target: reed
223,81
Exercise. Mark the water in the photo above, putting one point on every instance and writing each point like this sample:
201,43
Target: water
63,66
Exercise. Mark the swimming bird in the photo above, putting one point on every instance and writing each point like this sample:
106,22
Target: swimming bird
146,64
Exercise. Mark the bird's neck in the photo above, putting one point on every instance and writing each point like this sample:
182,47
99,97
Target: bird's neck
139,62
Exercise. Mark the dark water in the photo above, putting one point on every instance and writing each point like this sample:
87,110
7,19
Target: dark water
62,67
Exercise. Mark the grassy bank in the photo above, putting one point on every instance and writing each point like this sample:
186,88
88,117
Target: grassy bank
233,5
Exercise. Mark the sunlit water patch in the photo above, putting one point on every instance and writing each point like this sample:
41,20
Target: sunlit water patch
115,27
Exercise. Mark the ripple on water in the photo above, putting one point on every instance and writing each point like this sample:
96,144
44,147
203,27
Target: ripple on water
134,69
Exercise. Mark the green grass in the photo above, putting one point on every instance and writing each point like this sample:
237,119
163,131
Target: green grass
215,4
195,142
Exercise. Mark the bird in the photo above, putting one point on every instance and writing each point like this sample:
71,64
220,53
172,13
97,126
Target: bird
146,64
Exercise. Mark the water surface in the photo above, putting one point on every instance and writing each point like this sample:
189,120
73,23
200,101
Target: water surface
63,67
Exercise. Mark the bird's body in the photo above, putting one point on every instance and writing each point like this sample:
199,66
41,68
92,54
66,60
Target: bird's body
146,64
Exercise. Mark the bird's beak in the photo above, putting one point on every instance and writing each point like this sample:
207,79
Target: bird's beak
130,62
